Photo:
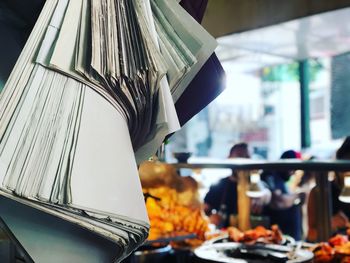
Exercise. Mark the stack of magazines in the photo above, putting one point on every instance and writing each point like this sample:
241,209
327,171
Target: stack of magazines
91,95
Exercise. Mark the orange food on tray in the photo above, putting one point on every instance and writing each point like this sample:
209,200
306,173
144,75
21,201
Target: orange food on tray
338,240
174,214
336,250
343,249
323,253
172,203
257,235
169,218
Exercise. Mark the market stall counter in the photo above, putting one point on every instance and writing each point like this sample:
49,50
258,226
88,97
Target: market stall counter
179,229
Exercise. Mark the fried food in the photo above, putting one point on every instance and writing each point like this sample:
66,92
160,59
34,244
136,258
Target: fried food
171,216
323,253
338,240
337,249
257,235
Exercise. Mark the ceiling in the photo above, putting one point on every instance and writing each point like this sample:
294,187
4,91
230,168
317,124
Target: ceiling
224,17
321,35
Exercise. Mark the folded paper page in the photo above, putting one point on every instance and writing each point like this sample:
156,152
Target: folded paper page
91,95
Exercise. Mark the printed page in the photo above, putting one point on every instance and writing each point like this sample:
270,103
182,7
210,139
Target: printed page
197,39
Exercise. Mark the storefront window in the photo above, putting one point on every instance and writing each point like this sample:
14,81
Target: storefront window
262,108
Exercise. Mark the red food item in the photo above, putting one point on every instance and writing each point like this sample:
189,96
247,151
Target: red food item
277,236
234,234
343,249
323,253
258,234
338,240
250,235
336,250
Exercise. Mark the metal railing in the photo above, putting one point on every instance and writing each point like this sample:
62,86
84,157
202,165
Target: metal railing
319,168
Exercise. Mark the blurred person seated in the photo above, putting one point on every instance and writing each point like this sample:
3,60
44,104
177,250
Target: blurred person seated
340,210
220,203
284,208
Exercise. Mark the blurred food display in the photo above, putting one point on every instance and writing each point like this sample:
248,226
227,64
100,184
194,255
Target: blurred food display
172,203
337,249
257,235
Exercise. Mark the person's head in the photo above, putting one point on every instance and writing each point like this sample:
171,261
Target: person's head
239,150
343,153
290,154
